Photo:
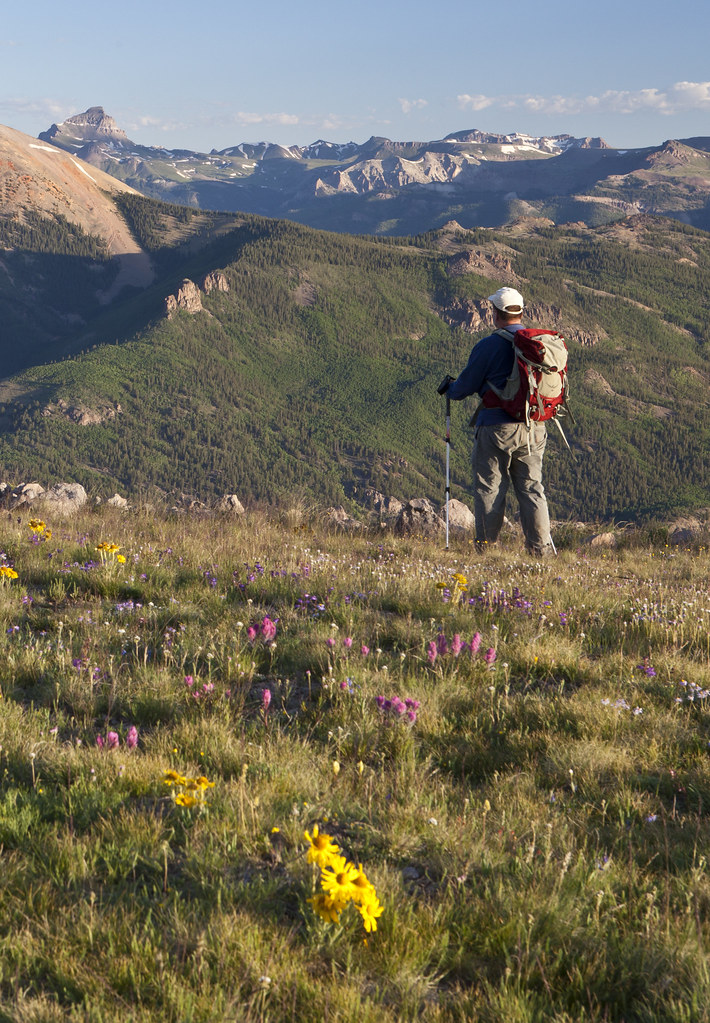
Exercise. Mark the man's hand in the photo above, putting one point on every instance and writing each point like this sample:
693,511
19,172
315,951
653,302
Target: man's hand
444,385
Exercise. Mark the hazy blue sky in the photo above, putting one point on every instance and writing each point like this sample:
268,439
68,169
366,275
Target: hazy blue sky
202,76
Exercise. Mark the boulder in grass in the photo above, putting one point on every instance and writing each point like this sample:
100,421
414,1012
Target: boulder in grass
230,505
684,530
63,498
118,502
386,507
419,517
26,493
607,540
340,519
461,519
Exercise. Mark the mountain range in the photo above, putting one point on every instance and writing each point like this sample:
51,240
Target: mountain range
393,188
158,348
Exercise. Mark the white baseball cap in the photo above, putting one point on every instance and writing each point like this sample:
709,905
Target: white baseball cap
508,300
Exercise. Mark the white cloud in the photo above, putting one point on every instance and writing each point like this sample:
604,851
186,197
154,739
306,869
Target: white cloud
253,118
677,98
47,108
478,102
408,105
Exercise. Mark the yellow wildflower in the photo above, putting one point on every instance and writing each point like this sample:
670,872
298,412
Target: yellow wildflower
185,799
339,881
323,848
370,911
364,888
327,908
173,778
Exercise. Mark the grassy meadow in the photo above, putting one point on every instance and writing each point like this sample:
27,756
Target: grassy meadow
514,753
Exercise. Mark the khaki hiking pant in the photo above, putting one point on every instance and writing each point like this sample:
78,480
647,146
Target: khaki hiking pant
501,456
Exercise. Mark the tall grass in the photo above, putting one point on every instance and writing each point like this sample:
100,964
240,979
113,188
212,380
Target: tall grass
534,820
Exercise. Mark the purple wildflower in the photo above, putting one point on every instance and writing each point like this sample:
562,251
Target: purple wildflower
431,652
490,655
442,646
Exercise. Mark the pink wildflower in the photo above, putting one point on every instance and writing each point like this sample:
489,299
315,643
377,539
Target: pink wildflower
431,652
132,737
490,655
457,645
330,642
364,650
112,740
475,643
100,741
348,642
189,680
268,629
266,700
251,633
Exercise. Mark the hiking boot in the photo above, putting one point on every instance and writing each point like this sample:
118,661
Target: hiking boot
546,551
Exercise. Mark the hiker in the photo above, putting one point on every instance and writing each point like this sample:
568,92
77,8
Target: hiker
505,449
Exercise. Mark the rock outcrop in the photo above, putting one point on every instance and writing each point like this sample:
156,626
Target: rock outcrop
186,299
215,281
81,414
461,518
339,519
118,502
419,517
386,507
60,499
230,505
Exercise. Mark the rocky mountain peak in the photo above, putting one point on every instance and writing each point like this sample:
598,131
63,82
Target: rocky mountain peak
94,125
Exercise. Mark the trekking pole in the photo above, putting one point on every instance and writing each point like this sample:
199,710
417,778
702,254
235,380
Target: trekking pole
444,389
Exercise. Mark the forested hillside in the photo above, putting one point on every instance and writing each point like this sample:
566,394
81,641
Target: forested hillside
314,375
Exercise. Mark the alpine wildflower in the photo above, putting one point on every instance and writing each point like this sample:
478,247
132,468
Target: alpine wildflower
322,847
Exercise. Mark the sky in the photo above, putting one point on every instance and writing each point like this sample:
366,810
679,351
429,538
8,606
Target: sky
183,75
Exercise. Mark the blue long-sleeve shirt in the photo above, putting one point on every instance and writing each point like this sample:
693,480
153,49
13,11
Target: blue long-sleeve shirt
491,359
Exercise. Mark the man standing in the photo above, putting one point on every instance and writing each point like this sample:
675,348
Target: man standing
505,450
